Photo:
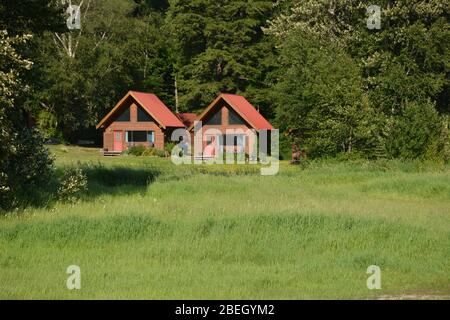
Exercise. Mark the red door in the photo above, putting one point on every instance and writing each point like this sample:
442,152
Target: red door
118,141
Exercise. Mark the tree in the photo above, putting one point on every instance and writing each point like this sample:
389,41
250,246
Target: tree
31,16
402,65
218,46
321,102
119,47
24,163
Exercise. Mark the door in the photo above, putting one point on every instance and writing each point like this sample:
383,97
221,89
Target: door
118,141
209,150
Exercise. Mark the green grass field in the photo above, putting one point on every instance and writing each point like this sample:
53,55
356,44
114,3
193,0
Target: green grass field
148,229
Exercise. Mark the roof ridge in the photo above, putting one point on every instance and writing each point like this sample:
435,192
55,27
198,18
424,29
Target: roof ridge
142,92
233,94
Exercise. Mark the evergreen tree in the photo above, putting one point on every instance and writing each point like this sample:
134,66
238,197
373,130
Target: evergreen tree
218,46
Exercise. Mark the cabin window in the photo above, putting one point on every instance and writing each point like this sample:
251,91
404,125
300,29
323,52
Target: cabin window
140,136
215,119
143,116
234,118
150,136
234,140
124,116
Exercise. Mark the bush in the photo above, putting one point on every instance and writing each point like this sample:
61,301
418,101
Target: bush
149,152
73,184
47,124
160,153
146,152
169,147
136,150
414,132
25,170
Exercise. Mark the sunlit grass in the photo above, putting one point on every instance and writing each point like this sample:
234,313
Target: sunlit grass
150,229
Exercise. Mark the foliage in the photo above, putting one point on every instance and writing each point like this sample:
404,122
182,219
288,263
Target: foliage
390,72
24,162
219,47
73,184
31,16
27,169
48,125
82,73
322,105
414,132
160,153
312,66
193,220
169,146
146,151
136,150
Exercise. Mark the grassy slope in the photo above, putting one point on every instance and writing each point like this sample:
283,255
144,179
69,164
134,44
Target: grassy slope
149,229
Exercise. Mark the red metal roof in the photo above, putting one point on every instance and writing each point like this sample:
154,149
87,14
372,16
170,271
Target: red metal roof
247,111
157,109
187,118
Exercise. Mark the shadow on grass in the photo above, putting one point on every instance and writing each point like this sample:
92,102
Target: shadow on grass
117,180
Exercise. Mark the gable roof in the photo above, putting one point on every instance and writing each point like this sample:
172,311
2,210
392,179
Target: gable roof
187,118
150,103
242,107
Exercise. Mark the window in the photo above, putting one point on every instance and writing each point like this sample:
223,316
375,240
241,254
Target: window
124,116
143,115
234,118
215,119
234,140
140,136
150,136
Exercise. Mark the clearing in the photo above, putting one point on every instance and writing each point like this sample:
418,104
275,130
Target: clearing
148,229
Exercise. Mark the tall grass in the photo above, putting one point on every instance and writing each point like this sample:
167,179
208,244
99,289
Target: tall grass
150,229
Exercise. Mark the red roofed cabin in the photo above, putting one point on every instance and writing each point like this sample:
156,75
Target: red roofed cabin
139,119
229,111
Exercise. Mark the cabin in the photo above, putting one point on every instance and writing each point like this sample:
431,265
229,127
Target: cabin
142,119
227,126
138,119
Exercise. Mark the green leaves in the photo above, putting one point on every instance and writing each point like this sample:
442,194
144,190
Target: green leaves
351,87
120,47
321,102
217,47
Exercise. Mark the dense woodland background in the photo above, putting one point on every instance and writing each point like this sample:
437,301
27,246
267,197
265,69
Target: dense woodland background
332,86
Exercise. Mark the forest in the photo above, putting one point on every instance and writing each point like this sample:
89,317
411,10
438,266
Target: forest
335,83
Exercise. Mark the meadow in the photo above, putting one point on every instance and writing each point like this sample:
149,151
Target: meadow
147,229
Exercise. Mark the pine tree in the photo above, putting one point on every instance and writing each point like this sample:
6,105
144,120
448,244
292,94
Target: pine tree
218,47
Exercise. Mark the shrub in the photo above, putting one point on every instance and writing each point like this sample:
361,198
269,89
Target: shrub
146,152
149,152
414,132
169,147
136,150
160,153
47,124
73,184
25,169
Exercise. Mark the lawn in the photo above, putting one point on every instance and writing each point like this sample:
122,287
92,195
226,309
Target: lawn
148,229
